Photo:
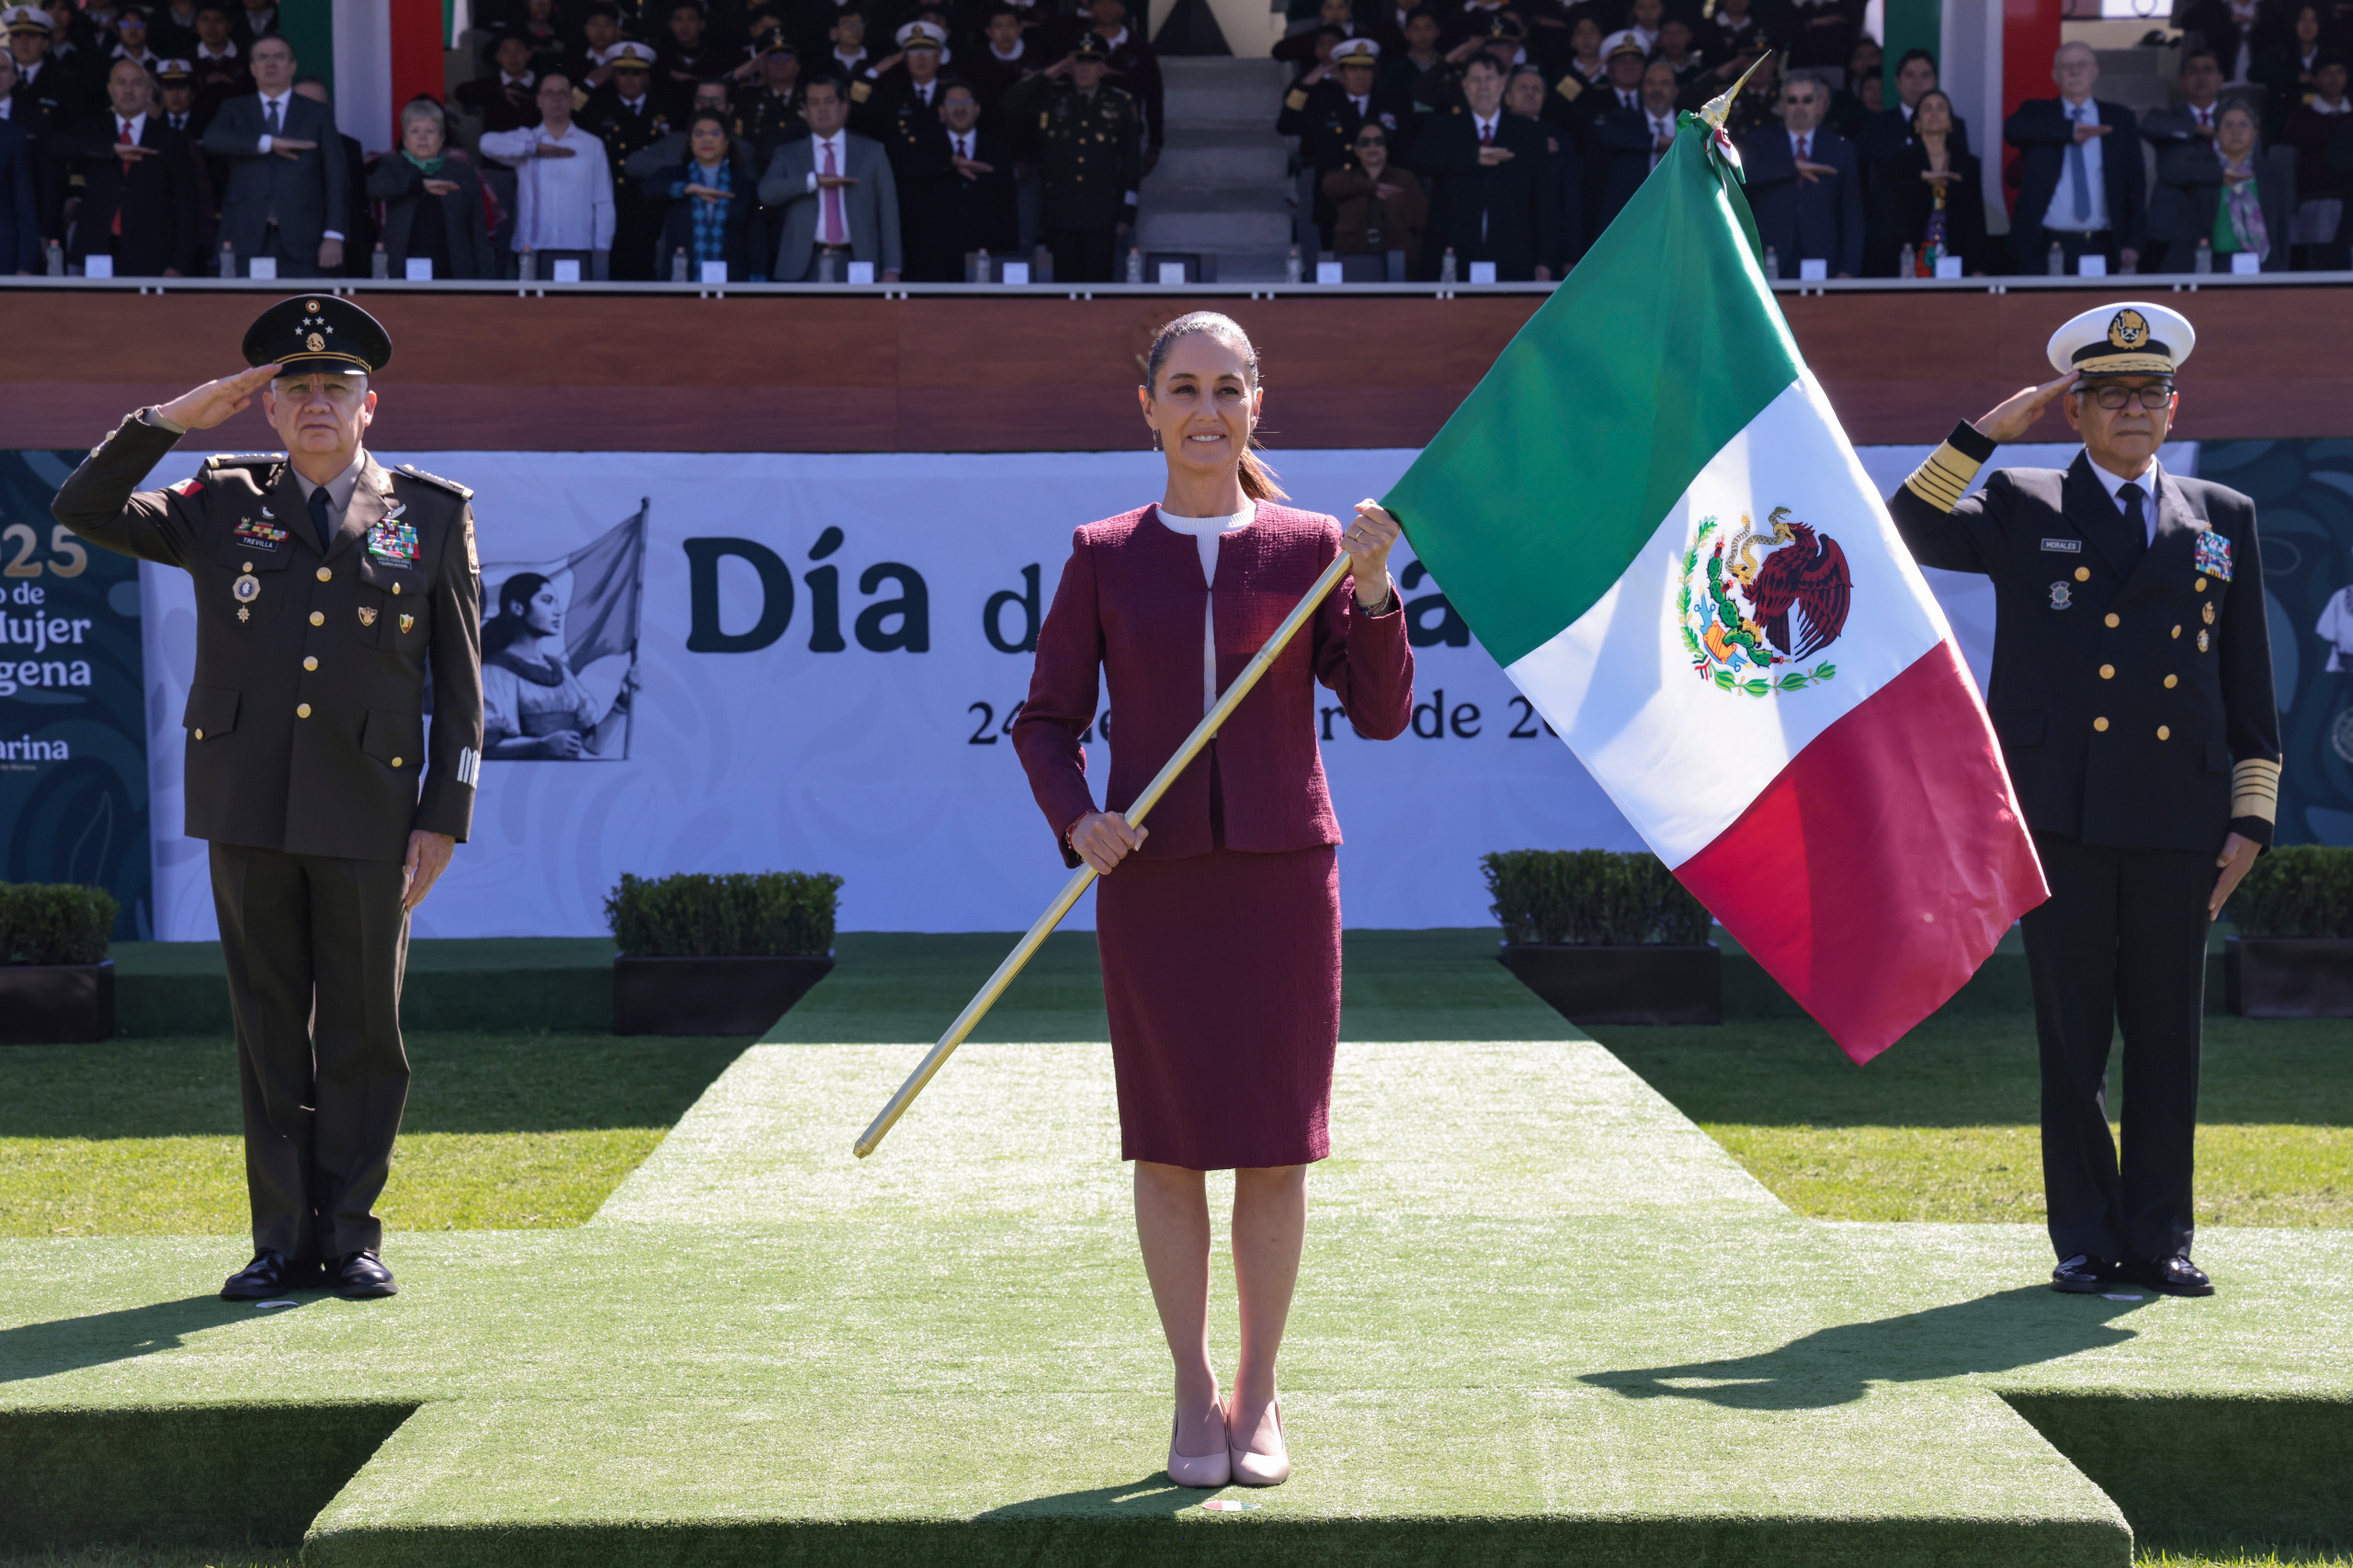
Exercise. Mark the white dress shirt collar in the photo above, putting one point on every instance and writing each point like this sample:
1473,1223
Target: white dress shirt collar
2112,482
1486,126
340,488
138,125
1018,45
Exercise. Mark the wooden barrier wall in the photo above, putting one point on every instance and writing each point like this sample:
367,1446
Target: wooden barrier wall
1046,372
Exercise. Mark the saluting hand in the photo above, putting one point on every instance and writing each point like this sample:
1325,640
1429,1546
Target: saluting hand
1369,540
2237,859
214,402
1103,840
2016,416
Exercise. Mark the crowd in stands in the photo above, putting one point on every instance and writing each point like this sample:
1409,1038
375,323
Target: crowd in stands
791,139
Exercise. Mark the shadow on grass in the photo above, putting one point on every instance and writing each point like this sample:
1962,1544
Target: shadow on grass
66,1344
1153,1497
1999,1333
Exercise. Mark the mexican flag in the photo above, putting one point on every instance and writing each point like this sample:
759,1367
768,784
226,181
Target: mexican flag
1649,515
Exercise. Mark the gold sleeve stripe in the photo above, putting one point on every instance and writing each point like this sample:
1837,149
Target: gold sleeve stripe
2255,790
1295,100
1944,479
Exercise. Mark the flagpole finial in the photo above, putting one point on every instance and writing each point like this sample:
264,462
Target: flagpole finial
1719,108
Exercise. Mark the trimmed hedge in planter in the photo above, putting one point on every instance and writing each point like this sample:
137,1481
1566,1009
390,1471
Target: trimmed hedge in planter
2293,955
717,954
56,985
1606,938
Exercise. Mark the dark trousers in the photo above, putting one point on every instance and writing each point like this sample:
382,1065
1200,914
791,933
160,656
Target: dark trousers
1083,255
2030,249
2122,942
315,947
289,263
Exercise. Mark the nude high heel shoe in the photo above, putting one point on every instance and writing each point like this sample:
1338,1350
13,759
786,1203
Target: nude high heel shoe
1264,1469
1199,1470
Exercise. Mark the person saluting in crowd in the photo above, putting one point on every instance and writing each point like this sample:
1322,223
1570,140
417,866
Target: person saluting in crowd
2131,694
326,589
1219,926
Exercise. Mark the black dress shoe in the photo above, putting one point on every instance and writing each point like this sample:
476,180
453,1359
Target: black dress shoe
360,1275
2172,1276
271,1274
2083,1275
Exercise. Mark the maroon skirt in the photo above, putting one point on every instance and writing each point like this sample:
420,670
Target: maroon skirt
1222,972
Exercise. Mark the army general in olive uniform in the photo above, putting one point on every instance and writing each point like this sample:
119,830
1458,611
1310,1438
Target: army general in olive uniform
329,593
1088,137
2131,693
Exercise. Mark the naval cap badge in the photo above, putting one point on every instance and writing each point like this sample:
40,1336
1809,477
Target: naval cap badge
2129,329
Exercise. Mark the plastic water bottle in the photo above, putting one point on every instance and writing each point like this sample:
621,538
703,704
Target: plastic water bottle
1908,263
55,265
527,266
2205,262
1293,270
981,273
1445,268
1772,265
2057,266
379,265
228,259
1135,265
825,268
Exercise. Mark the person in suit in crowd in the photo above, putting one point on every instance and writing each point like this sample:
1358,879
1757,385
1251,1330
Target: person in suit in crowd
710,97
625,115
1885,133
335,601
2132,700
1237,879
1525,96
256,21
139,195
2322,186
963,199
2249,207
2188,173
836,193
563,185
1926,195
1088,137
20,224
359,241
2235,31
507,95
432,197
288,196
1488,173
2080,185
1414,53
1805,184
711,197
1377,204
1628,141
1001,56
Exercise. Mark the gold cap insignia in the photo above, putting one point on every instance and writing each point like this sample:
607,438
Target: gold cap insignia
2128,330
314,343
367,616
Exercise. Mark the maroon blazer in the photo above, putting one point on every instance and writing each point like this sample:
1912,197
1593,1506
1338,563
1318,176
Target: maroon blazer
1130,607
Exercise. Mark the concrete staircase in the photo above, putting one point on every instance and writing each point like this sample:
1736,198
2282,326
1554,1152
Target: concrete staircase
1221,187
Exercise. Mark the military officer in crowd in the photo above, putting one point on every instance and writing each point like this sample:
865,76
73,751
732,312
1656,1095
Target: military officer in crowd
896,102
625,115
2131,695
1088,137
329,591
1331,104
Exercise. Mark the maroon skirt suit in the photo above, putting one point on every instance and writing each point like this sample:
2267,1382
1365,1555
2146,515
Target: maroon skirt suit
1221,937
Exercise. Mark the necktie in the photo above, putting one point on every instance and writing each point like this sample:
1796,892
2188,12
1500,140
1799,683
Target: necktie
125,138
2079,179
830,201
2136,521
1804,145
320,502
1486,136
275,127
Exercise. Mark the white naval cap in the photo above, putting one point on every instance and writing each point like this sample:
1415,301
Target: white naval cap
921,35
1355,51
2130,338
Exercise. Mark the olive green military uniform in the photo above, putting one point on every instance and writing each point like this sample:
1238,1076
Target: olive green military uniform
310,758
1091,159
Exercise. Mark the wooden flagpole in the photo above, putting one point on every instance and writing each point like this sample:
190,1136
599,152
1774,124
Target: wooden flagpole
967,1020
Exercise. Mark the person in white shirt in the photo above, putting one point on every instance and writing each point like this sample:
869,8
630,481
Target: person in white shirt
2080,185
564,185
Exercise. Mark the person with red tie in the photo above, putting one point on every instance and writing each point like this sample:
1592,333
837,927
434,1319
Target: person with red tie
2188,173
1219,924
139,196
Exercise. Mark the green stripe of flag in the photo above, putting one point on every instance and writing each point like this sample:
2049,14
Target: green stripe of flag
1661,346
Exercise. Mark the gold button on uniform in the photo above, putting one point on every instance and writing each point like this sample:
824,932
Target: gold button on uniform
2164,733
2172,681
396,588
396,761
2108,672
2201,584
310,662
2099,723
2113,619
318,617
199,734
2082,574
302,711
325,575
249,566
2177,631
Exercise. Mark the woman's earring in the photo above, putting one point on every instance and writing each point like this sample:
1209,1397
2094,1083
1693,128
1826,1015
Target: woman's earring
1155,442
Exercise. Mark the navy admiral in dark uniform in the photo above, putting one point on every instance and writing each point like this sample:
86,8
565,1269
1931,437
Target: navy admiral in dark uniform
330,593
2131,693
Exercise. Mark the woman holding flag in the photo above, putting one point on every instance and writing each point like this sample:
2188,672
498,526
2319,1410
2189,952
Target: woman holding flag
1220,928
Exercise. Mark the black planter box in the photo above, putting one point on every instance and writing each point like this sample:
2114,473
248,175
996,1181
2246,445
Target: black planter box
2288,977
56,1004
733,995
1651,983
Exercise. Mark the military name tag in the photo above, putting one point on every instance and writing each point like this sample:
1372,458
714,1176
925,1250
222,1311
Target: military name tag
260,533
2214,555
2066,546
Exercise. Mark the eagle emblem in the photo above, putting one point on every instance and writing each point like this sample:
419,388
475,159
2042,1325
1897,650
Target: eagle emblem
367,616
1756,606
2128,329
314,343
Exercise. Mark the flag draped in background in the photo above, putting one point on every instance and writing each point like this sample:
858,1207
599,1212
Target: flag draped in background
1650,516
607,583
